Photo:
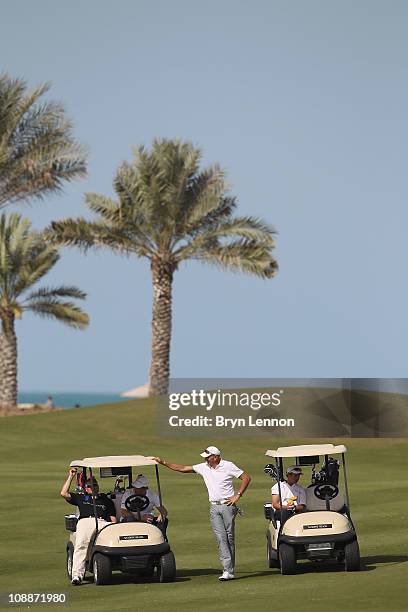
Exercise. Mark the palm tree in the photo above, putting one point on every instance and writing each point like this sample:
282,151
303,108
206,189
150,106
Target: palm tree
25,257
37,150
169,211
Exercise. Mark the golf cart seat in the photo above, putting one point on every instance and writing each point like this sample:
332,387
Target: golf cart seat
313,502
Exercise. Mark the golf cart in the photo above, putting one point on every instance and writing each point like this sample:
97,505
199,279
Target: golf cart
131,547
325,529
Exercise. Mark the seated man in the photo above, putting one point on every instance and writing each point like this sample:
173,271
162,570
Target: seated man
86,526
293,495
141,487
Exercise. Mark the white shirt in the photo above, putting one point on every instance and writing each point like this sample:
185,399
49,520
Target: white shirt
154,501
219,479
290,491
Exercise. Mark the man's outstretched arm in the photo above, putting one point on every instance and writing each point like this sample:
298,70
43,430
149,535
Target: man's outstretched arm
177,467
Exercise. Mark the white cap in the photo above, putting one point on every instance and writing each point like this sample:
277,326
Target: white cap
210,450
140,482
294,469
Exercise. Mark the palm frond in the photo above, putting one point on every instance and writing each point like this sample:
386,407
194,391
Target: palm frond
107,208
16,101
152,189
141,191
73,232
37,150
24,256
85,234
65,312
33,269
63,291
241,256
203,195
251,229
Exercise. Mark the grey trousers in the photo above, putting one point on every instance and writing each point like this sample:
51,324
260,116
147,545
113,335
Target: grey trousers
223,524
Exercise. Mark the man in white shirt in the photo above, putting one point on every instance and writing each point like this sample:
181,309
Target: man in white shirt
141,487
218,475
292,494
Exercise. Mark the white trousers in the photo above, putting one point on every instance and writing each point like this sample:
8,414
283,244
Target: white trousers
86,527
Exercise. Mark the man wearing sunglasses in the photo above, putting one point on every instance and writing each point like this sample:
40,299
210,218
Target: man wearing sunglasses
86,525
218,475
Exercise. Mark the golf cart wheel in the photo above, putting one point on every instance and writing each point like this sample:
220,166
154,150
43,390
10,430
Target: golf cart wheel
102,569
287,559
270,560
352,557
70,555
167,568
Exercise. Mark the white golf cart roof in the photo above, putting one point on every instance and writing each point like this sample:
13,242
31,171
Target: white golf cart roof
307,450
113,461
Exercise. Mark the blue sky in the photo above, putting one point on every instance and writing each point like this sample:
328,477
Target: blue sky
305,105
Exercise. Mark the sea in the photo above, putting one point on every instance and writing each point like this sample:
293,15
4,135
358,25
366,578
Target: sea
74,399
69,399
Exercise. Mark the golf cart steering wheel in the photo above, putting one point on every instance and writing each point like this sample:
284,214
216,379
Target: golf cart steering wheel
326,491
136,503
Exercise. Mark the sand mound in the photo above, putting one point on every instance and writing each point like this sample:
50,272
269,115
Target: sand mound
35,409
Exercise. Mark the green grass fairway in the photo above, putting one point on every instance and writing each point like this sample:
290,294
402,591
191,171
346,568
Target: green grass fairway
35,452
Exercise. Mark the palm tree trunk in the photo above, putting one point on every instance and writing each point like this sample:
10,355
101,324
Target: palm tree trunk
8,363
162,276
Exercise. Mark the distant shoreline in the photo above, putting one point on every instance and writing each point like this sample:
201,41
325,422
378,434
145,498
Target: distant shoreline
68,399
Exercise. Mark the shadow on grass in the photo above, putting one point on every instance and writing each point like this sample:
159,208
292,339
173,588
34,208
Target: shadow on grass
199,571
217,572
375,560
368,564
119,578
326,567
253,575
